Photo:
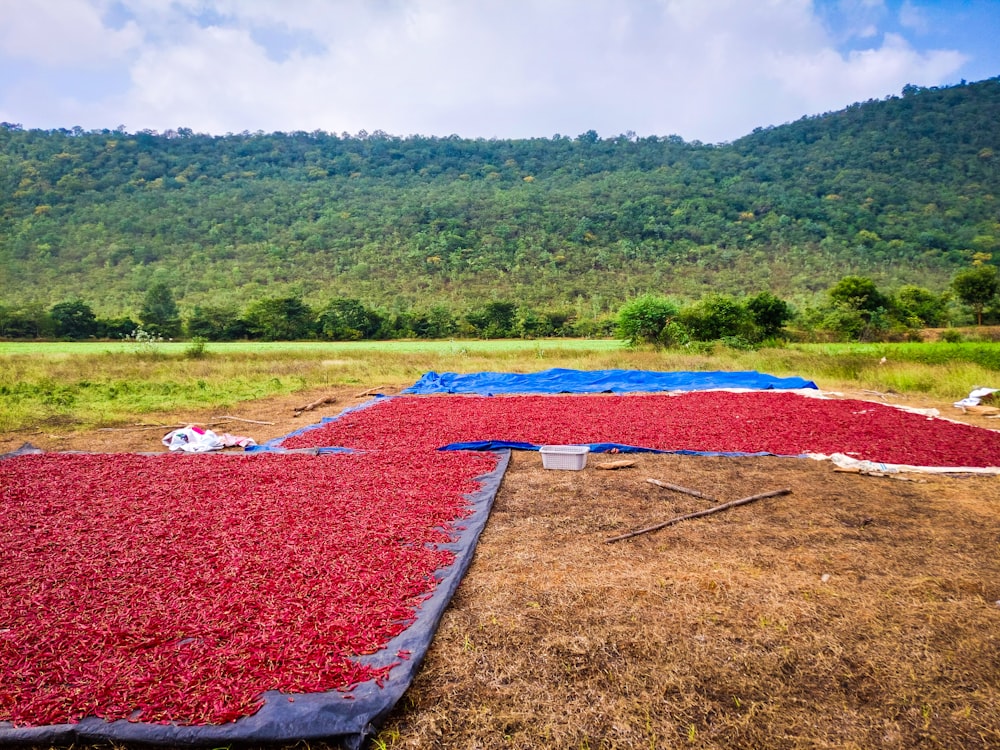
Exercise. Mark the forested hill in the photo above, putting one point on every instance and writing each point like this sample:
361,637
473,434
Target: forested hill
904,190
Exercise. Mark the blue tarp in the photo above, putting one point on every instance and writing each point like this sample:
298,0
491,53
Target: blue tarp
497,445
559,380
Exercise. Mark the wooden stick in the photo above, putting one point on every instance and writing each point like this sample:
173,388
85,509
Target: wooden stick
612,465
678,488
876,393
314,404
699,514
140,427
238,419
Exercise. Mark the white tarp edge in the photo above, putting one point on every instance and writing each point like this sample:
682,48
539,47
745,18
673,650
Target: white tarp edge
854,464
975,397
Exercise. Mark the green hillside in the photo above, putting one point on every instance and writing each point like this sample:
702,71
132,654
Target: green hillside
903,190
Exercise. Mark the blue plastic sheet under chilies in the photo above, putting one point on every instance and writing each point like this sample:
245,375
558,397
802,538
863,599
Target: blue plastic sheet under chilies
559,380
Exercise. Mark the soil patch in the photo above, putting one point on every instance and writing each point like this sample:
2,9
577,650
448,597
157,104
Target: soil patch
262,420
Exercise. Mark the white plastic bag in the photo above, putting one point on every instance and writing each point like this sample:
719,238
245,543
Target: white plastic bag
193,439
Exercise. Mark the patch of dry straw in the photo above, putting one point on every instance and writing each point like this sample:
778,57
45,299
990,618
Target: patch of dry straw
855,612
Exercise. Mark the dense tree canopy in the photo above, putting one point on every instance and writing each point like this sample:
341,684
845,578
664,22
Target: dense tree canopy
854,308
73,320
348,320
279,319
901,191
769,313
859,293
919,307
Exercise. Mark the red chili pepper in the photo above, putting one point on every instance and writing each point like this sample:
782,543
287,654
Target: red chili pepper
773,422
212,579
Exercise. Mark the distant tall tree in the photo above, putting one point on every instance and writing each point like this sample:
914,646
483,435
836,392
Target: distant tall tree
495,320
279,319
717,316
859,309
73,320
769,313
216,323
30,321
977,287
859,293
920,307
115,328
159,312
348,320
436,323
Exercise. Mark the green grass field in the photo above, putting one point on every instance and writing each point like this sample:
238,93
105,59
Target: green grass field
178,348
91,384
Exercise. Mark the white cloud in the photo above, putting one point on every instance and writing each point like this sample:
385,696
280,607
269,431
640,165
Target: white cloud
69,32
860,18
215,76
825,79
705,69
912,17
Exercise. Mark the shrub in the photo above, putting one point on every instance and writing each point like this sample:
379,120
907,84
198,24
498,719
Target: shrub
196,349
144,343
717,317
644,319
738,342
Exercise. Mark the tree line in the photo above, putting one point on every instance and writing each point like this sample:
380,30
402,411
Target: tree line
853,309
289,318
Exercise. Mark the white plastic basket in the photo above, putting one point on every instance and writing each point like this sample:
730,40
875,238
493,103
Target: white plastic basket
568,457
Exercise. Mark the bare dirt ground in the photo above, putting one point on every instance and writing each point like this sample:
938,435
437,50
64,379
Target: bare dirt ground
854,612
261,420
972,333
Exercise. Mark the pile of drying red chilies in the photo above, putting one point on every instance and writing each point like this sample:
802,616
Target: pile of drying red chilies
179,588
763,421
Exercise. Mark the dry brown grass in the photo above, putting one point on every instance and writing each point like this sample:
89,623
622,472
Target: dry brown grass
720,632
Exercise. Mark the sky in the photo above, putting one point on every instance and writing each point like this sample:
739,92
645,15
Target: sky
706,70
